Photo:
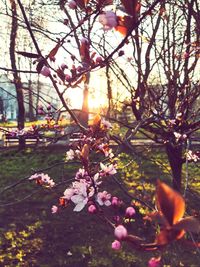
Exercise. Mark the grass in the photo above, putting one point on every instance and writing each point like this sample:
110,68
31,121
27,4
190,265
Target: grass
32,236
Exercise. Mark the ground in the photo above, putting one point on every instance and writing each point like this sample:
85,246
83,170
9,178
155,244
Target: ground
32,236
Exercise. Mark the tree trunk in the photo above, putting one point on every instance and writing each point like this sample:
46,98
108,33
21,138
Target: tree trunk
84,117
30,102
174,154
17,80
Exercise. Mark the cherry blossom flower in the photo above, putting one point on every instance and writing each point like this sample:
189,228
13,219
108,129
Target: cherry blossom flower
70,154
179,136
108,170
191,156
116,245
108,19
54,209
42,179
96,179
82,193
103,198
81,173
120,232
106,124
80,201
106,150
68,193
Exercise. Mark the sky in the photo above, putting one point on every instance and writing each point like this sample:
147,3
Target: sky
98,94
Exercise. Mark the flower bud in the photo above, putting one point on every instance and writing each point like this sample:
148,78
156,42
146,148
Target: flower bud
45,71
67,77
115,201
116,245
121,53
154,262
120,232
72,4
99,59
92,209
130,211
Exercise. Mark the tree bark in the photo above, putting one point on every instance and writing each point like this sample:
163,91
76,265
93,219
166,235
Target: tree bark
17,80
84,117
174,154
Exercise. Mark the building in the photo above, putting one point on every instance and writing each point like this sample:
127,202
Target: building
8,101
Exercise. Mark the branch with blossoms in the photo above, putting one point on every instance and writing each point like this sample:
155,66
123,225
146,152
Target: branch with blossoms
85,192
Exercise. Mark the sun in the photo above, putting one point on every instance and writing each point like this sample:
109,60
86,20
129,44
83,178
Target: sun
74,97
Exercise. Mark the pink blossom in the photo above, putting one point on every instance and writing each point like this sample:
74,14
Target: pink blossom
92,209
82,193
81,173
108,19
72,4
103,198
116,245
106,150
191,156
130,211
80,201
70,154
54,209
42,179
45,71
68,193
108,170
120,232
154,262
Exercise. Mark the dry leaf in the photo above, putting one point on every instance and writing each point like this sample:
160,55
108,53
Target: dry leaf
170,203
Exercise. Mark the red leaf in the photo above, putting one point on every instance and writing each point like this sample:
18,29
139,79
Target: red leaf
84,51
40,65
124,24
170,203
85,152
27,54
54,51
121,29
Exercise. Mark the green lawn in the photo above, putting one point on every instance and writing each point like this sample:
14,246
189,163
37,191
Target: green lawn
32,236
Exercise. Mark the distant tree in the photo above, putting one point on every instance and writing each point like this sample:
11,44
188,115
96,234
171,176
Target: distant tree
16,78
164,82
